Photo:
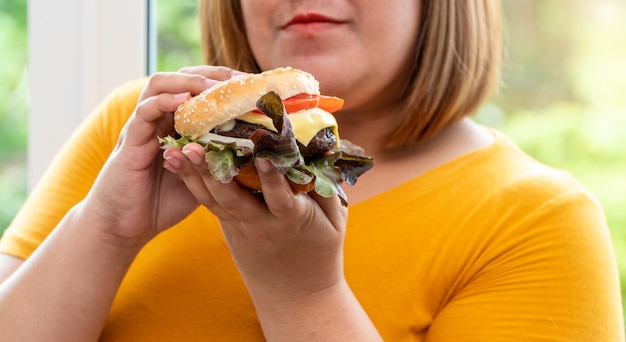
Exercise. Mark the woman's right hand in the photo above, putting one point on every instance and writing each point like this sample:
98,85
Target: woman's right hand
134,198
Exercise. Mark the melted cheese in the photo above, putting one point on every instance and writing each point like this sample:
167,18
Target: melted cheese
306,123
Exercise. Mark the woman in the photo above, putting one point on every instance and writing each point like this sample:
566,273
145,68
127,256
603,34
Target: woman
454,234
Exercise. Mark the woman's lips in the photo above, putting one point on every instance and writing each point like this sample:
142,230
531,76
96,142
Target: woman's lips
310,24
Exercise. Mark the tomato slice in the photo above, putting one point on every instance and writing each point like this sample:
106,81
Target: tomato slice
330,104
303,101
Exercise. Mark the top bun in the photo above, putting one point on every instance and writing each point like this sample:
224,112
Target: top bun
231,98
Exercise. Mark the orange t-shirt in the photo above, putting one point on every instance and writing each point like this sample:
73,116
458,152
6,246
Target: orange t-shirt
492,246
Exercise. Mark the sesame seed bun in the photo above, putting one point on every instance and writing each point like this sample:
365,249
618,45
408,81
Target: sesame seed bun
231,98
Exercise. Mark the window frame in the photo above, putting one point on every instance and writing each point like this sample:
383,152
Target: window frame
75,60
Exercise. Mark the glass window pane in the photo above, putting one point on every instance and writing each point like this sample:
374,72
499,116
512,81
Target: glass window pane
178,34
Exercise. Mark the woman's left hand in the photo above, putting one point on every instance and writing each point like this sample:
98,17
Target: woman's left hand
286,243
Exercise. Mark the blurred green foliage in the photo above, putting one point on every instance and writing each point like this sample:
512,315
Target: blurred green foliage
13,108
563,97
178,31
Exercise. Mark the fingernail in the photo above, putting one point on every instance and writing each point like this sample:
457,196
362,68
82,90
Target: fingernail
171,163
195,158
263,165
210,83
181,96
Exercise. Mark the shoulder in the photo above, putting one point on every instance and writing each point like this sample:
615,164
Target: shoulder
533,210
542,233
529,192
512,202
509,171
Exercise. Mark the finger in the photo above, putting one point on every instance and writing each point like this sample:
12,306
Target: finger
153,108
142,126
176,83
182,165
219,73
279,197
333,209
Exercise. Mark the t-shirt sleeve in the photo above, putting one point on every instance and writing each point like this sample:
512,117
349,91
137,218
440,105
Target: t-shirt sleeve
72,172
553,277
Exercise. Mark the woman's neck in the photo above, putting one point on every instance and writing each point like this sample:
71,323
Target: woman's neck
368,128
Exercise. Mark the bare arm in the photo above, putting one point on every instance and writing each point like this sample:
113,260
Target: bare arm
63,292
331,314
8,265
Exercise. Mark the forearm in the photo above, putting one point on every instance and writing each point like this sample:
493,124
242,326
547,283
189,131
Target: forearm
64,291
333,314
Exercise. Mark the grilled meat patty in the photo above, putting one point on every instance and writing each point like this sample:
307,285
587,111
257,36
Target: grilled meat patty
322,142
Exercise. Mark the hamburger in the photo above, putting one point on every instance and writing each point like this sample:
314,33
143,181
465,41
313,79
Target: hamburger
278,115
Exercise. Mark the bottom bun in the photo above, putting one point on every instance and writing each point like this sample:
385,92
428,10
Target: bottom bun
247,176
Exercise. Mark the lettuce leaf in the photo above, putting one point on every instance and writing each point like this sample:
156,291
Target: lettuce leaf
169,141
223,160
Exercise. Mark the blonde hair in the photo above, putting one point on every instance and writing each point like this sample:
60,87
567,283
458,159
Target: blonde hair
223,35
457,65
